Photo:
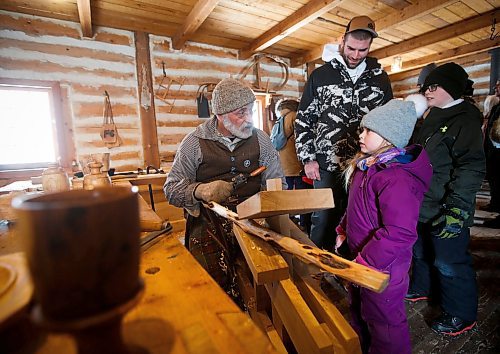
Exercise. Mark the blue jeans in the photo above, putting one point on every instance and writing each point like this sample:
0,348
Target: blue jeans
324,222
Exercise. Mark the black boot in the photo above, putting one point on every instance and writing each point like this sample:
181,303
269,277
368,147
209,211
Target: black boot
451,325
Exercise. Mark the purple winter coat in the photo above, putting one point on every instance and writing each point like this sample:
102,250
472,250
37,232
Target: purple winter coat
383,208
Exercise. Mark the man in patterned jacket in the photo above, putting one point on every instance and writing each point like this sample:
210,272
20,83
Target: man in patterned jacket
207,160
336,97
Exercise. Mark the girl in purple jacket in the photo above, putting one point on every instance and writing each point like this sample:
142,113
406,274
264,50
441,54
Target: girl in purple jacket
386,183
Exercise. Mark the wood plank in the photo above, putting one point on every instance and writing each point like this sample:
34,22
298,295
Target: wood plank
84,14
450,54
309,12
299,201
352,271
147,114
409,13
149,220
194,20
346,340
265,263
303,328
264,322
278,223
442,34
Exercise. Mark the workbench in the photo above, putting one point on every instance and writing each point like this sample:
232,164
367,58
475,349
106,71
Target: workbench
182,310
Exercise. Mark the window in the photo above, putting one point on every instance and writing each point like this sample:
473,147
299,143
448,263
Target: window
31,127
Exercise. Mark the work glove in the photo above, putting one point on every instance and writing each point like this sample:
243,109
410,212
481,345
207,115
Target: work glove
216,191
450,223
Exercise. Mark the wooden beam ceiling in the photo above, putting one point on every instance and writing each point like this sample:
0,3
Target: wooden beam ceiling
201,10
450,54
307,13
85,17
442,34
479,58
409,13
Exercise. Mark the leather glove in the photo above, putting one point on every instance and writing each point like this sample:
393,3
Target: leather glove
450,223
216,191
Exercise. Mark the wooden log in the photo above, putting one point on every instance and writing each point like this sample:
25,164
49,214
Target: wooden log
354,272
298,201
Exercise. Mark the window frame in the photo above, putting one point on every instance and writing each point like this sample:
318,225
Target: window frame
62,135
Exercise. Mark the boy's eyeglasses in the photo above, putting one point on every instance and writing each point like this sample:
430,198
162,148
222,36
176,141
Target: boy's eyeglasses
432,87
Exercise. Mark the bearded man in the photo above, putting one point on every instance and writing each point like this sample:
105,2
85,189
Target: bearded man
205,164
336,96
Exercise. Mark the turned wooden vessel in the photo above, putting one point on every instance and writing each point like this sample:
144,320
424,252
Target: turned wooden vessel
96,178
55,179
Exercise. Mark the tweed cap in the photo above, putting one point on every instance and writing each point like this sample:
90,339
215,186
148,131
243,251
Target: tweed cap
451,77
395,120
229,95
363,23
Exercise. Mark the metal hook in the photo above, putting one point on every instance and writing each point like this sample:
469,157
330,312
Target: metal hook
494,35
163,68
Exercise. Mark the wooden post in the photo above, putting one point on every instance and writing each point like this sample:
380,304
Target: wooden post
146,99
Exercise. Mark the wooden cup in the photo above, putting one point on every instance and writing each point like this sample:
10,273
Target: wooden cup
83,250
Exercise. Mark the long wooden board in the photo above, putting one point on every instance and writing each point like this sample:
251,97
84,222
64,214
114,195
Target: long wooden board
304,329
265,262
299,201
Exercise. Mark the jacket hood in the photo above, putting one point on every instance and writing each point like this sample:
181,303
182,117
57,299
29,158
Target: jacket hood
416,162
371,64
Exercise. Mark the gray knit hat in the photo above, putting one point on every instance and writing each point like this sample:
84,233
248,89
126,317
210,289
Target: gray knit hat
229,95
395,120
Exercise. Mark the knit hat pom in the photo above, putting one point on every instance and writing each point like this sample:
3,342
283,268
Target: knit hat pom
420,103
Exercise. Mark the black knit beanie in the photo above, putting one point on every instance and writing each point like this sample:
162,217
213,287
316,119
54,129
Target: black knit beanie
451,77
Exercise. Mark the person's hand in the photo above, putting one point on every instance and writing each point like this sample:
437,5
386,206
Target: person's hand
216,191
311,169
341,237
450,223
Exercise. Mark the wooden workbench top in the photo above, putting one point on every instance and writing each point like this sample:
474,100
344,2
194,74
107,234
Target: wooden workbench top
182,310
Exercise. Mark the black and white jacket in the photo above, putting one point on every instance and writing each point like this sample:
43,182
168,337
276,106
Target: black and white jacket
331,108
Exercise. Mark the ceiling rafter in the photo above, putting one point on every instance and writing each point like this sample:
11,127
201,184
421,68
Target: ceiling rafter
307,13
84,13
442,34
450,54
409,13
201,10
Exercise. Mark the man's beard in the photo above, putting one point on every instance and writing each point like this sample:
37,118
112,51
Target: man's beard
244,131
346,60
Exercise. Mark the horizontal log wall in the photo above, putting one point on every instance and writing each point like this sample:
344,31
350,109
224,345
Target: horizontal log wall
37,48
196,64
477,66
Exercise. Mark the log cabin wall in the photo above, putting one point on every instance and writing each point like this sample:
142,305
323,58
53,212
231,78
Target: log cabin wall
39,48
196,64
36,48
478,67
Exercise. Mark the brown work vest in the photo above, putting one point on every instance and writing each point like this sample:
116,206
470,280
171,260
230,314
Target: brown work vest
221,164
